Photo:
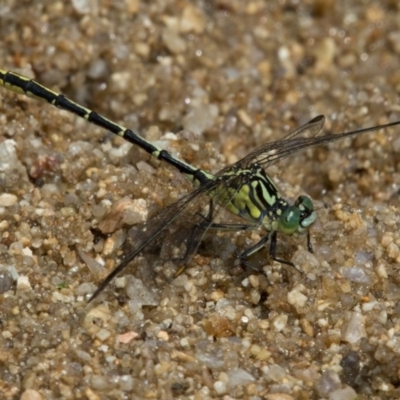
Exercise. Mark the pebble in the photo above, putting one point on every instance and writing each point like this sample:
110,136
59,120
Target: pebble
346,393
280,322
7,199
192,20
239,376
279,396
96,318
355,274
220,387
31,394
23,283
355,329
296,298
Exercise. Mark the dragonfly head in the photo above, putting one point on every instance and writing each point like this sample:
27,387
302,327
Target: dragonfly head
297,218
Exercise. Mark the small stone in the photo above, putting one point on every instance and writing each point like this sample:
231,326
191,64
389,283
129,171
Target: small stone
307,327
96,267
328,383
346,393
132,6
355,274
245,118
255,296
173,41
254,281
200,118
31,394
163,335
6,335
393,250
126,383
278,396
369,306
124,212
220,387
280,322
139,293
355,329
6,280
274,372
7,199
325,52
23,283
96,319
296,298
82,6
103,334
192,20
387,238
381,271
239,376
127,337
100,383
61,297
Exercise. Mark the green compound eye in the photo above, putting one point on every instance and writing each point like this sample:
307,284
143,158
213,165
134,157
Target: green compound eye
297,218
307,214
304,203
289,222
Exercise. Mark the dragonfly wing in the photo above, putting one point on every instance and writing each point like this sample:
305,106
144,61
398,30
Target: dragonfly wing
177,230
300,139
185,234
272,152
310,129
149,232
295,145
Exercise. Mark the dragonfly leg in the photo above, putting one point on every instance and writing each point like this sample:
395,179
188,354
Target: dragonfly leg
309,245
253,249
195,235
272,250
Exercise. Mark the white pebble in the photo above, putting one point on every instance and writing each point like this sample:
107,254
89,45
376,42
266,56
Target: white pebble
239,376
346,393
220,387
280,322
31,394
355,328
103,334
23,283
7,199
295,298
355,274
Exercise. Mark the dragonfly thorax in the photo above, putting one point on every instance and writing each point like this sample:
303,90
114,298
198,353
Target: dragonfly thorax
254,196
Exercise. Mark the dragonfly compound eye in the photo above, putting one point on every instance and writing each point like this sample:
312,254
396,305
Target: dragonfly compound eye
289,221
307,213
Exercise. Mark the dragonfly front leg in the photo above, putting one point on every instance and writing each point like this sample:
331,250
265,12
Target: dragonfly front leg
272,250
252,250
309,245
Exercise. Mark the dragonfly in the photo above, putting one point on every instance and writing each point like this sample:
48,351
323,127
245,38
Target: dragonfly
243,188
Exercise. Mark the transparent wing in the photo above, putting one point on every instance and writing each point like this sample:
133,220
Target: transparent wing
177,230
148,232
273,152
310,129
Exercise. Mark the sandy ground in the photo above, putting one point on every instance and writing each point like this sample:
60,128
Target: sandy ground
224,77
